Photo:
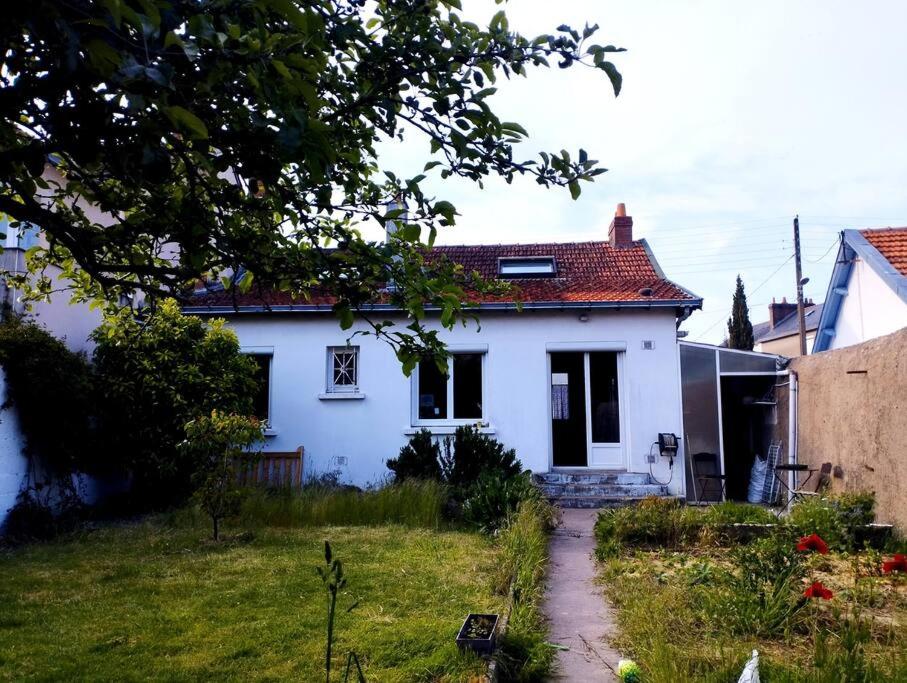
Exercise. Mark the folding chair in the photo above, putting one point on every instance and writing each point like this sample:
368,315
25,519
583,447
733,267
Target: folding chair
802,490
706,480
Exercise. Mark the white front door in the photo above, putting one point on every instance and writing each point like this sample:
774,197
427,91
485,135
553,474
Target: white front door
586,412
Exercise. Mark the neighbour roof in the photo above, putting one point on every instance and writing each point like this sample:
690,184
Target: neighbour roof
884,250
788,325
587,273
890,243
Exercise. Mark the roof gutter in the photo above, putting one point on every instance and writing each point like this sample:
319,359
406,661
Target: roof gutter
685,304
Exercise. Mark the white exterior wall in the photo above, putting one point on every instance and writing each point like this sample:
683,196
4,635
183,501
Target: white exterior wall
870,309
13,464
515,380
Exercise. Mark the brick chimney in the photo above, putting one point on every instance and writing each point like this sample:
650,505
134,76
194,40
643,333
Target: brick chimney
620,234
779,311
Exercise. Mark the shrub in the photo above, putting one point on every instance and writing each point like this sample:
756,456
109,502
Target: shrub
418,459
470,453
836,519
216,443
493,497
157,374
51,389
30,519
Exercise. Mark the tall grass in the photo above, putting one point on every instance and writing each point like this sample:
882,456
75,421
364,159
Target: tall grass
523,542
411,503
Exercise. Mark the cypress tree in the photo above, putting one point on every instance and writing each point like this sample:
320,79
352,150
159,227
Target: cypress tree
740,330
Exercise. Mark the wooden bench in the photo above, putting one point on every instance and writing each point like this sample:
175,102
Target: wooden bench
274,469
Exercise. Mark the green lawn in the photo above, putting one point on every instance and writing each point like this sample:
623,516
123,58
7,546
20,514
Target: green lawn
145,601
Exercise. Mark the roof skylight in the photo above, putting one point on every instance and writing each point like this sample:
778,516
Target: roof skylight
536,266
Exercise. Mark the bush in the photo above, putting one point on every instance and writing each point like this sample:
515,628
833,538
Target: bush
836,519
471,453
494,496
30,519
155,375
217,443
419,459
51,388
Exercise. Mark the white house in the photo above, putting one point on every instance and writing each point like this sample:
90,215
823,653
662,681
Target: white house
867,294
586,376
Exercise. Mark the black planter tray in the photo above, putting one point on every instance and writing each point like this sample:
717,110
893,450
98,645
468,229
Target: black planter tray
481,646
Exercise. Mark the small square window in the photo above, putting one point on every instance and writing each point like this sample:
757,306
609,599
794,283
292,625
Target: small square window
343,369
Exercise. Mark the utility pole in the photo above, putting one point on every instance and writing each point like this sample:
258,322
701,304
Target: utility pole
801,317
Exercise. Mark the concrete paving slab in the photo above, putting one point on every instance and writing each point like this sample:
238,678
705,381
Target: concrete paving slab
578,614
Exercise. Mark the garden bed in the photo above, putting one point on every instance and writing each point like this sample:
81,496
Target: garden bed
693,601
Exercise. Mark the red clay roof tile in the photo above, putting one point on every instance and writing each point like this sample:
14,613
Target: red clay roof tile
587,272
892,244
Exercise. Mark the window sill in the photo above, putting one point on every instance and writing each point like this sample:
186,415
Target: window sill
447,429
269,432
342,396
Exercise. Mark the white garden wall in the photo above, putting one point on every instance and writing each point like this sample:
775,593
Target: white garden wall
356,437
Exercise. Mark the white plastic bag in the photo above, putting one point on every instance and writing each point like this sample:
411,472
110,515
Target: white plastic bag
757,480
751,670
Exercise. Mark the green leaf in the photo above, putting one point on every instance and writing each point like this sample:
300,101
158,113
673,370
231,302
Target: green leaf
613,75
185,119
574,189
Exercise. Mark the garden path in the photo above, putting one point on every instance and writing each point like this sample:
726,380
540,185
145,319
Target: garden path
579,616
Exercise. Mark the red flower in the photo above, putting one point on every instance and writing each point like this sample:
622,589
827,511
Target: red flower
817,590
813,542
898,564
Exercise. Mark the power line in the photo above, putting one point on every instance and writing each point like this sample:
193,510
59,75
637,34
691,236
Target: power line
827,251
758,287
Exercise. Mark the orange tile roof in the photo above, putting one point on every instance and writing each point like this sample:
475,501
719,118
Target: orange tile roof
587,272
892,244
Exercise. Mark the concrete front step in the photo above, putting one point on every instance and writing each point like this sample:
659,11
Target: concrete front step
587,488
594,501
592,477
626,490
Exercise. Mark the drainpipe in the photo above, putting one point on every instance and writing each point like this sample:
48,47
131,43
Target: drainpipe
792,431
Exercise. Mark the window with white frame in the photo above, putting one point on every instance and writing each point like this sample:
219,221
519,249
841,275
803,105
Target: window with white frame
452,395
343,369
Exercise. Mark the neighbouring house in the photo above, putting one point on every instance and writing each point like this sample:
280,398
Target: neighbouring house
780,334
867,294
70,322
586,376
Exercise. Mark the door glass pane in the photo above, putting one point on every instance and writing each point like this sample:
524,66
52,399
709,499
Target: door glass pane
467,389
604,392
432,391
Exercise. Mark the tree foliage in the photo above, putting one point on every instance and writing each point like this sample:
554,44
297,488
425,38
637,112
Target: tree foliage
739,327
157,374
51,389
216,444
239,137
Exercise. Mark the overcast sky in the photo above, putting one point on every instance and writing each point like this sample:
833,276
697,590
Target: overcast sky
733,118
